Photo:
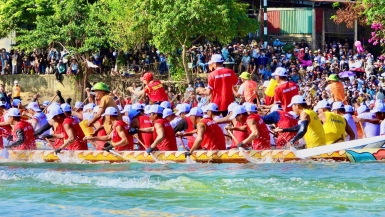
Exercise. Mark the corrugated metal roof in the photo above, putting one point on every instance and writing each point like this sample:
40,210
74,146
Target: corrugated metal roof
273,25
296,21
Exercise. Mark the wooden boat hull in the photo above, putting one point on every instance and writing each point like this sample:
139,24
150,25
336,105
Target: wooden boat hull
230,156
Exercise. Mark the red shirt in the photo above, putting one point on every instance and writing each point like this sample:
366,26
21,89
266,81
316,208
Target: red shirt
239,135
286,120
29,138
269,100
221,82
190,127
156,92
146,138
102,132
4,130
213,138
263,140
116,138
283,94
78,144
169,141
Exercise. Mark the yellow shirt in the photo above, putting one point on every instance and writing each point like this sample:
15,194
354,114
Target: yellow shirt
16,91
334,127
315,135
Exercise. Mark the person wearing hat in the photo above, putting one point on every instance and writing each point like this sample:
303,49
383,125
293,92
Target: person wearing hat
120,138
247,90
67,132
281,119
38,118
346,112
336,88
309,127
334,125
22,133
163,133
68,111
209,135
370,125
154,89
105,100
285,90
16,90
220,84
258,132
140,120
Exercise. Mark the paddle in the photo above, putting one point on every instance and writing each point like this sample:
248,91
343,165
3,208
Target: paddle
188,158
119,155
362,129
304,153
50,103
247,156
152,155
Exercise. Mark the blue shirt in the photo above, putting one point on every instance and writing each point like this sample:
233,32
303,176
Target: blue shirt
265,74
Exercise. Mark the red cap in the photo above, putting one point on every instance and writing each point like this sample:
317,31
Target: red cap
147,76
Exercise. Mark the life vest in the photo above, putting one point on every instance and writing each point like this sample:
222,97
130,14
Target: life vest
169,141
116,138
29,138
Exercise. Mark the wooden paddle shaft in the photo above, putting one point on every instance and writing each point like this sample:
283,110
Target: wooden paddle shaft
50,103
82,103
362,128
232,136
140,142
181,140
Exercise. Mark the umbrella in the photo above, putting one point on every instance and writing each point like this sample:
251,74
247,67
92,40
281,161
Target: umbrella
358,70
306,63
346,74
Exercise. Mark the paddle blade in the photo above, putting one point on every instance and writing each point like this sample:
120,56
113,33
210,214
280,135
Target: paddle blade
189,160
248,157
4,153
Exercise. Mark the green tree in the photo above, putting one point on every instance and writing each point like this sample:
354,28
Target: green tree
176,24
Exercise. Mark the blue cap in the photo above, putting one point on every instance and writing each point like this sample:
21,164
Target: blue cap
16,102
133,113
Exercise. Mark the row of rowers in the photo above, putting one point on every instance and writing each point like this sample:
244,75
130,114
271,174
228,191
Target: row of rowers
157,127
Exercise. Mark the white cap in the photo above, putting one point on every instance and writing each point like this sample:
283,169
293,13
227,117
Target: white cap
46,103
167,112
362,109
78,105
13,112
182,108
337,105
216,58
165,104
298,99
232,106
200,105
34,106
89,106
66,107
293,114
323,104
95,109
349,108
53,110
236,111
378,107
110,111
276,107
195,112
249,107
210,107
280,71
154,109
137,106
127,108
15,82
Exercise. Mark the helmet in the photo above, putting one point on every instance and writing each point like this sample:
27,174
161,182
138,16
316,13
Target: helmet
101,86
147,76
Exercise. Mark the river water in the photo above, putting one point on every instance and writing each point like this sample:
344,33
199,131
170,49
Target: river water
139,189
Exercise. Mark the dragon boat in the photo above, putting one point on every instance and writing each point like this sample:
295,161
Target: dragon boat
228,156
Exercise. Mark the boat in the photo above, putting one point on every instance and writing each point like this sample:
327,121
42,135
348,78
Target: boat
228,156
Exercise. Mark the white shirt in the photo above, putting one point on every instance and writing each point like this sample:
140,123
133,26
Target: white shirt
349,119
370,129
382,128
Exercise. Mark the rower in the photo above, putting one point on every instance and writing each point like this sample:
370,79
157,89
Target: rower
121,140
334,125
38,119
346,112
88,111
23,138
209,134
178,124
248,88
310,126
140,120
67,132
281,119
258,132
68,111
6,130
154,89
126,110
370,124
163,134
102,94
185,125
211,111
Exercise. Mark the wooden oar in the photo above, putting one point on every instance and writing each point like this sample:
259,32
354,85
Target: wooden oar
152,155
362,128
119,155
304,153
188,158
247,156
82,103
50,103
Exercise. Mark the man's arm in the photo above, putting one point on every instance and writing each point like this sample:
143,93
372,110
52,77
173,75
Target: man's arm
160,135
254,131
349,131
71,136
19,140
96,116
201,128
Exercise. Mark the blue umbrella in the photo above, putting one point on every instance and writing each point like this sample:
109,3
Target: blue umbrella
346,74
